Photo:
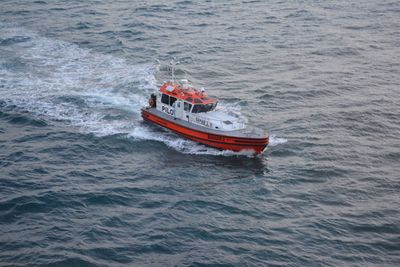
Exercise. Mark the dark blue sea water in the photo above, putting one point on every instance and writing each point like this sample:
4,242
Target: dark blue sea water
84,182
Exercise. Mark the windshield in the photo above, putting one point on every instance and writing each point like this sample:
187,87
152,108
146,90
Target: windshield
204,108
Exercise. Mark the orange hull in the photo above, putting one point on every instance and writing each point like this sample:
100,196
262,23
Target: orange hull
217,141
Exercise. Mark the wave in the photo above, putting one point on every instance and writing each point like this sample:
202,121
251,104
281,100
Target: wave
274,141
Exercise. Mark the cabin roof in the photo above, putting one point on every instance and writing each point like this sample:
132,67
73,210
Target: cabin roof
188,94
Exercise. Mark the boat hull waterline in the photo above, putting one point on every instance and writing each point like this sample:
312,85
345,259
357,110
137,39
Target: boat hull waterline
222,141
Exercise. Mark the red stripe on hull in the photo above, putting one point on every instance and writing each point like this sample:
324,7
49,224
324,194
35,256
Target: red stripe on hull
218,141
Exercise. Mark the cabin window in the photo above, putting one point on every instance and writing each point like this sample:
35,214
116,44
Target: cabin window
168,100
196,109
186,106
165,99
203,108
207,108
172,100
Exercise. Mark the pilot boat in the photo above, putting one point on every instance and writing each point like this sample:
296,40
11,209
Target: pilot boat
191,113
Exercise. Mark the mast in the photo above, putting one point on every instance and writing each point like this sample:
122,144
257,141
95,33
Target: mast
173,63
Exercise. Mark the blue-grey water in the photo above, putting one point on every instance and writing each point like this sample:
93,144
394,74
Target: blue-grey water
84,182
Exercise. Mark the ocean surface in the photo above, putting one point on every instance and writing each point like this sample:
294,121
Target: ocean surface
85,182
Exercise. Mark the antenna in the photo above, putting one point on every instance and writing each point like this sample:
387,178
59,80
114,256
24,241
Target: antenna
173,63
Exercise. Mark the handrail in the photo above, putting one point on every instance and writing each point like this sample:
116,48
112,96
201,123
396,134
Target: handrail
240,123
240,119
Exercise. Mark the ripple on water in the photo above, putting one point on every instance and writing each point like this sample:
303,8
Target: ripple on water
84,182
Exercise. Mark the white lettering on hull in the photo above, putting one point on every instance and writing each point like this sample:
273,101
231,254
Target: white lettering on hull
204,122
169,111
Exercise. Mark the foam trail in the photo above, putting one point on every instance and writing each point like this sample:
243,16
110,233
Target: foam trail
60,81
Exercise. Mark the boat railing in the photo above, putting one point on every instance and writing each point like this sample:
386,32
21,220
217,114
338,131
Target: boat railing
217,123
